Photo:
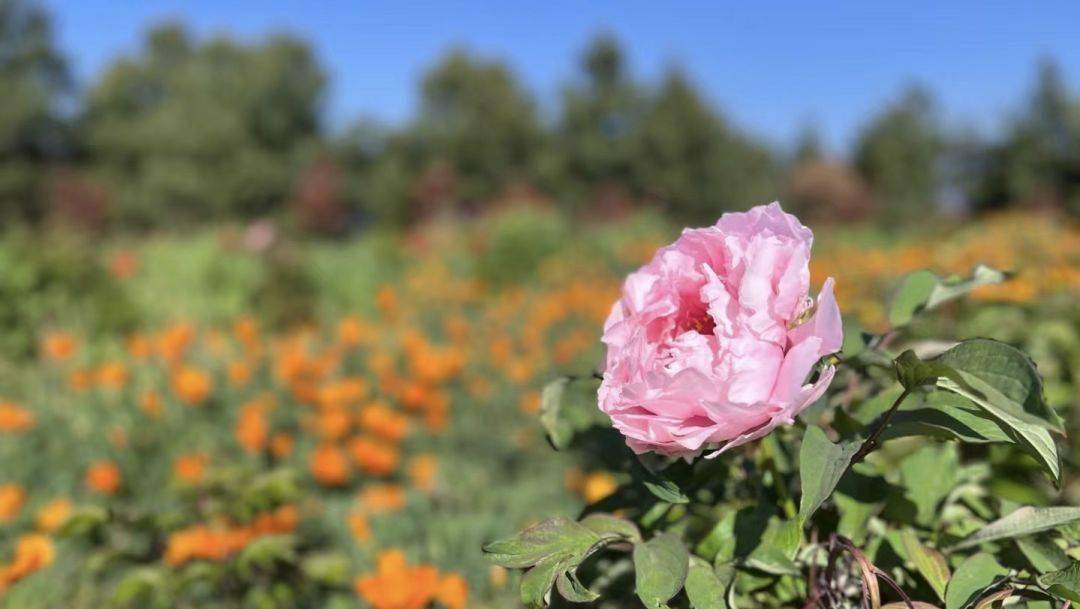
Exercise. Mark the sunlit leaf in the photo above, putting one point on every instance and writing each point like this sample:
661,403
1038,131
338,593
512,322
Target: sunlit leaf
661,567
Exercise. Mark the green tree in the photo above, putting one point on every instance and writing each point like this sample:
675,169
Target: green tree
34,78
898,154
477,121
1039,159
690,159
192,130
601,116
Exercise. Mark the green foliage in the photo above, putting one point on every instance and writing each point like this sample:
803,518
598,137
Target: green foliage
34,78
190,130
899,507
898,152
923,290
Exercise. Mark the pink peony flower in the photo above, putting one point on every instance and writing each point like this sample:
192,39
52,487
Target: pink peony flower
713,340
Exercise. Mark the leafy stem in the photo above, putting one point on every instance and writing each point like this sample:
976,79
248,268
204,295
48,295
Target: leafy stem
871,442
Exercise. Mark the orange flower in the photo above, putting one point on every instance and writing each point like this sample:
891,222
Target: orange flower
353,332
192,386
530,402
329,465
358,524
239,373
81,379
53,515
386,299
281,445
380,498
379,419
58,346
150,403
373,456
396,585
246,330
190,468
333,424
12,498
15,418
422,471
174,341
112,374
32,552
251,427
453,591
139,346
104,477
598,485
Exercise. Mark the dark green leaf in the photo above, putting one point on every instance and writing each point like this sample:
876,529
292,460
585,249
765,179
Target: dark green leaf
821,464
571,588
971,579
1024,521
568,406
1042,553
659,485
661,566
537,581
1064,584
947,416
703,587
1003,382
553,537
609,526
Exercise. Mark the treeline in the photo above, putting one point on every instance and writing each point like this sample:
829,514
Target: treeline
189,130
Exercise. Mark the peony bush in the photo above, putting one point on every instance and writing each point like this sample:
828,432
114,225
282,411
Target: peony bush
772,459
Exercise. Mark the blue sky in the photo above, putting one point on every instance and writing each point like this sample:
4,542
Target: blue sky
771,66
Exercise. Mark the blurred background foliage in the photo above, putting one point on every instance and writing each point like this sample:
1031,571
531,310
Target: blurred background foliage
187,130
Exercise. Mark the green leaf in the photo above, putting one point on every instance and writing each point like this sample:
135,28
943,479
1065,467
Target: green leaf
1006,377
913,372
947,416
571,588
927,491
661,567
1065,583
972,577
327,568
929,562
85,520
821,464
703,587
923,290
609,526
267,551
779,545
537,581
567,406
559,430
718,545
1003,382
555,537
142,584
1042,553
1024,521
661,486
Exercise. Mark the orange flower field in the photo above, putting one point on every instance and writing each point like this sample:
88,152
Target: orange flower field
351,437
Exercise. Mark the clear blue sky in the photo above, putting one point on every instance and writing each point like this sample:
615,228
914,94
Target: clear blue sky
771,66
